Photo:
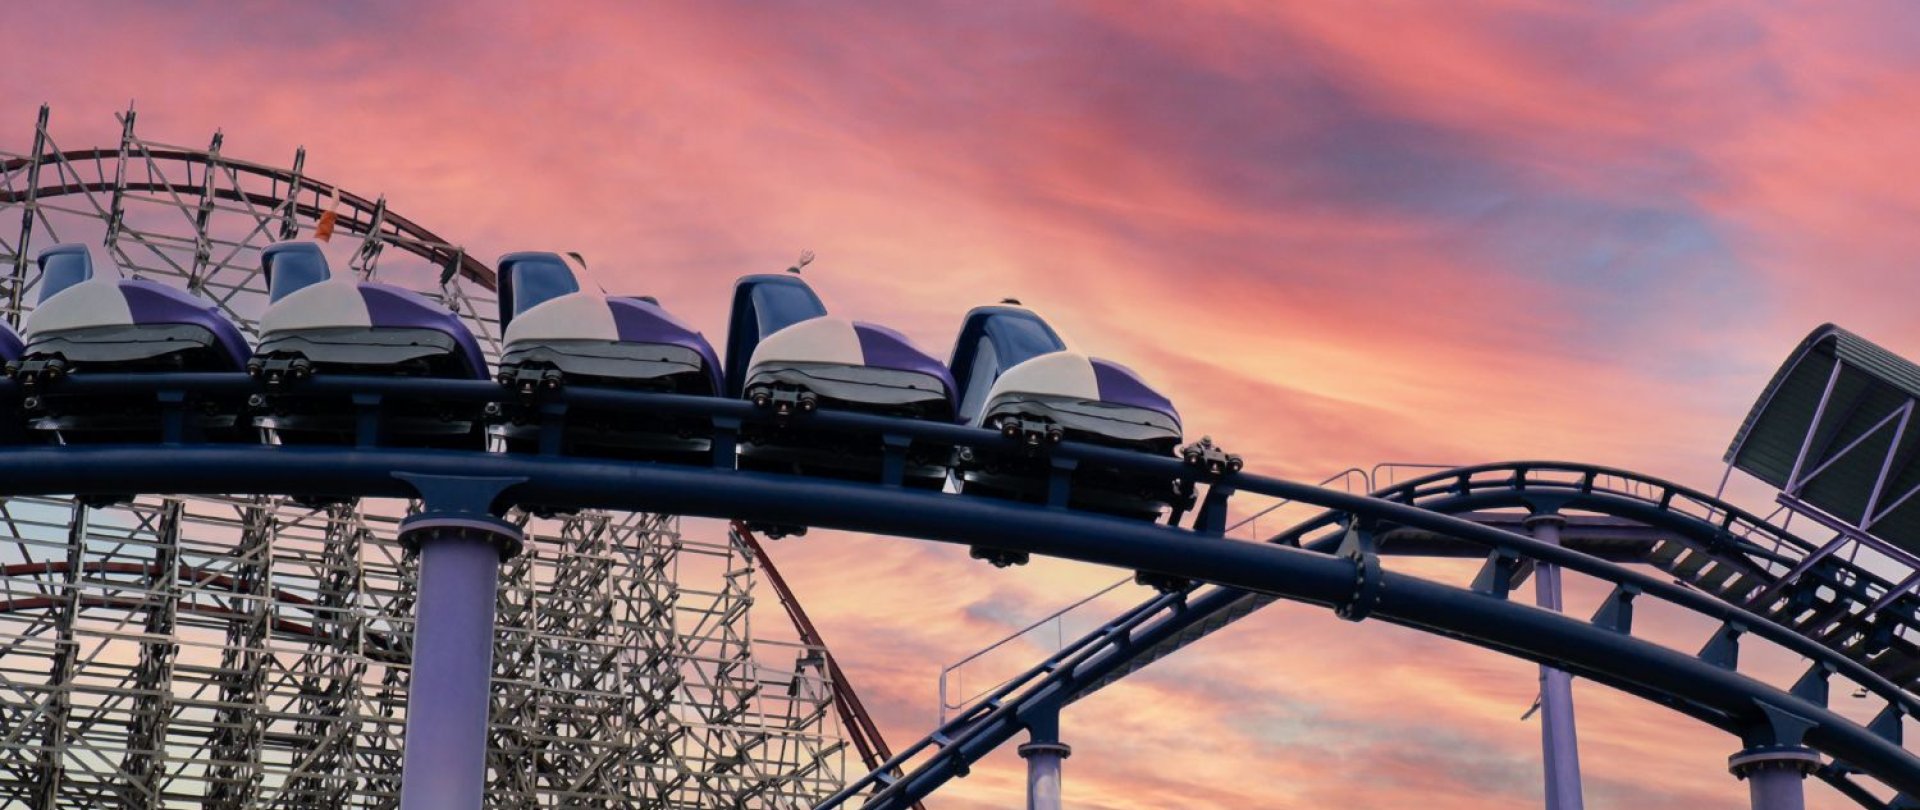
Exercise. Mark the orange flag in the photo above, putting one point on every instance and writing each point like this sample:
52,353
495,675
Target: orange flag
324,230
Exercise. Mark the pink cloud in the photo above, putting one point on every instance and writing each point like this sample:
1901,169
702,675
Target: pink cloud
1257,207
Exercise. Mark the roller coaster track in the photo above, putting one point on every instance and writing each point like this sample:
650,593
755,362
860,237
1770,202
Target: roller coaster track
1332,562
291,196
1716,548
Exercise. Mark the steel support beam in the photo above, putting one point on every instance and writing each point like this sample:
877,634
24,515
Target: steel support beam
461,545
146,759
116,204
1775,762
1559,742
59,697
29,208
330,671
1044,752
446,743
235,770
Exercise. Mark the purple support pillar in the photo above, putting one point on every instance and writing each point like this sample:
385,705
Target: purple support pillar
1776,775
1043,752
445,766
1043,773
1559,743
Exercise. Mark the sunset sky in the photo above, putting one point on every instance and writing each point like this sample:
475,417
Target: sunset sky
1336,234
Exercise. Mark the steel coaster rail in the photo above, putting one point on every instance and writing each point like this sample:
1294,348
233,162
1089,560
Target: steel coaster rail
1511,484
1350,582
1709,692
995,718
1493,485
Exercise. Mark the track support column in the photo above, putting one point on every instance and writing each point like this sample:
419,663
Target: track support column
1775,774
1043,752
461,545
1559,742
1775,764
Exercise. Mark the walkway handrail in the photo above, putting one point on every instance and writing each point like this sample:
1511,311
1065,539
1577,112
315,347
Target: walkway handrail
1003,641
1349,472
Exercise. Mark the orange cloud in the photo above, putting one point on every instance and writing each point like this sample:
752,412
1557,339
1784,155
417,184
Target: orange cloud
1334,235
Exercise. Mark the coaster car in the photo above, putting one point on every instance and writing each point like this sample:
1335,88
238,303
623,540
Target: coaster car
10,345
11,428
1020,379
88,322
787,356
851,365
316,323
563,331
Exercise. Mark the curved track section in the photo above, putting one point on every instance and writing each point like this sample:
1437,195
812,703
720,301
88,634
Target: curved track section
1340,571
202,181
300,199
1746,562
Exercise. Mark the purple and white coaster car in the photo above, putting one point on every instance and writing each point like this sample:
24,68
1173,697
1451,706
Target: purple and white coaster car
786,355
1082,397
317,323
849,364
1019,378
556,327
561,330
89,319
10,345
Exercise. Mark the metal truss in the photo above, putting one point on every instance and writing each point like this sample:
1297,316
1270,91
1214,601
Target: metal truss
252,652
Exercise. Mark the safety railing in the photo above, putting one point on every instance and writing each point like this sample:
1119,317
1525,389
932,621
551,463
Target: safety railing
953,695
951,675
